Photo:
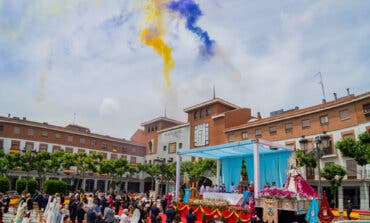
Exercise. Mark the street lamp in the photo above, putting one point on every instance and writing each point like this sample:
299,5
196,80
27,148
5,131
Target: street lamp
30,160
321,144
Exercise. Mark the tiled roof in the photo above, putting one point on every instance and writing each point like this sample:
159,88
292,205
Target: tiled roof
210,102
46,125
301,112
162,119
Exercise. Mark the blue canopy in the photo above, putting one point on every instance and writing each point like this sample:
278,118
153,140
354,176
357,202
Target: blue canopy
273,163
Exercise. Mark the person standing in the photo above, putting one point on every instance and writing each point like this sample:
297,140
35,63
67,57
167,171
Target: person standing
190,217
124,217
108,214
154,212
91,215
73,210
80,212
170,214
349,209
6,202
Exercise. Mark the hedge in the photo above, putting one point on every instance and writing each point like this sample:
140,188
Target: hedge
32,186
55,186
4,184
20,185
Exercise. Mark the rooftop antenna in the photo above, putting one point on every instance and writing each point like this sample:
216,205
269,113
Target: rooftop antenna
214,92
74,118
322,85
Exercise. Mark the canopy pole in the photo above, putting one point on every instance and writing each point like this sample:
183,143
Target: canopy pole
218,172
256,159
177,189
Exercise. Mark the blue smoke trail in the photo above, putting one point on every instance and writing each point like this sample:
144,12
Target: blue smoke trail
191,12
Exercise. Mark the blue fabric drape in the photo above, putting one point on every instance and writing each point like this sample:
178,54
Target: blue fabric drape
273,168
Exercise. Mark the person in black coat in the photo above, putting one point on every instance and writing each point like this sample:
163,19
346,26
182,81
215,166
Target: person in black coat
164,203
6,202
80,213
154,210
170,214
117,204
190,217
73,210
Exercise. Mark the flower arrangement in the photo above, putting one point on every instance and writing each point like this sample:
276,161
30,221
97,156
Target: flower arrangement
278,193
211,202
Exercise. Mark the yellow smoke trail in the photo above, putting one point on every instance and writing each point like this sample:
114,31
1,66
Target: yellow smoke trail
153,34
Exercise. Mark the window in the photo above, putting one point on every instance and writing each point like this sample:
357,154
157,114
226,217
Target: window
329,150
288,127
329,163
195,115
201,135
56,148
148,129
324,120
344,114
70,138
114,146
230,137
113,156
44,134
172,148
192,159
244,135
258,133
202,113
351,169
69,150
58,135
306,124
43,148
30,132
15,145
16,130
93,142
208,111
291,145
180,145
1,144
103,145
366,109
82,140
133,160
310,173
273,130
1,127
164,148
150,146
81,151
29,146
348,135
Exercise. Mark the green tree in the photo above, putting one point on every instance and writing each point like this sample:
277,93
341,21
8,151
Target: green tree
20,185
304,159
151,169
4,184
42,164
32,186
334,173
358,150
86,162
115,170
55,186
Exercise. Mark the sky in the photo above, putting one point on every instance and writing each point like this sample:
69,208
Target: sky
85,61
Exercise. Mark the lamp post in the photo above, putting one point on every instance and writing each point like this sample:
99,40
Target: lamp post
321,143
30,160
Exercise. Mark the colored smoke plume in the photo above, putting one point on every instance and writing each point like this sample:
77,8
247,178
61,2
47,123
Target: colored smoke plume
153,34
191,12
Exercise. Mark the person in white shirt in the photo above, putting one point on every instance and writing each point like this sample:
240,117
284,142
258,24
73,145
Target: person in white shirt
215,188
202,190
124,217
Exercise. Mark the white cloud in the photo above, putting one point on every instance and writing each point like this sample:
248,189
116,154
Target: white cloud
109,106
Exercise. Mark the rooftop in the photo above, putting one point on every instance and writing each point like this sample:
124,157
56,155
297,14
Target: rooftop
165,119
303,111
210,102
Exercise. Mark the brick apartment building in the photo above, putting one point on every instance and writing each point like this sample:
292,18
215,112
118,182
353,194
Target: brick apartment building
17,135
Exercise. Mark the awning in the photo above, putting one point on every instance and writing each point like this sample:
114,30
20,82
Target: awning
231,150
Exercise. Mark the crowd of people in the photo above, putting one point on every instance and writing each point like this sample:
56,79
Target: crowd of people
94,208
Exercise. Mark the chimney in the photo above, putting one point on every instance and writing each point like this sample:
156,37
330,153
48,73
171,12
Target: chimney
335,96
259,115
9,115
348,93
296,108
323,100
24,118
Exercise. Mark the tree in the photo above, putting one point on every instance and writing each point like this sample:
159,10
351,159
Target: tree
358,150
151,169
304,159
86,162
115,170
42,164
4,184
334,173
